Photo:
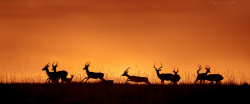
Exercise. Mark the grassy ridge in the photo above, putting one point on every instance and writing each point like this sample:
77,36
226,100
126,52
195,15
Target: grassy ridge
121,93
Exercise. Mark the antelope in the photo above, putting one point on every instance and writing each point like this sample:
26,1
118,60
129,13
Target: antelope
176,77
135,78
164,76
59,74
92,75
51,75
214,77
202,76
68,80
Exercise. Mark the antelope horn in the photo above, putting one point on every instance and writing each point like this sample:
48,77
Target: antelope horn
161,65
127,69
47,64
86,63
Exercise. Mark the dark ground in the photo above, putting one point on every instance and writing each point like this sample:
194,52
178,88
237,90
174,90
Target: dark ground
123,93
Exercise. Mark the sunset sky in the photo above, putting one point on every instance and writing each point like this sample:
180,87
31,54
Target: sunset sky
116,34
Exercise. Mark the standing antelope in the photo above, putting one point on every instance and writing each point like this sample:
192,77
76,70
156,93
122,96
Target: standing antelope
135,78
59,74
92,74
176,77
164,76
202,76
214,77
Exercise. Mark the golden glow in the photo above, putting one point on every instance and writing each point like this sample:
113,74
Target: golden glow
114,35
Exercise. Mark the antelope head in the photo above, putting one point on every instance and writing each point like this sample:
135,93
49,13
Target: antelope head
86,66
46,67
126,72
176,72
159,69
207,68
54,66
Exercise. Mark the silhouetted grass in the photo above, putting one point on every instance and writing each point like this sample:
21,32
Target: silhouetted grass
121,93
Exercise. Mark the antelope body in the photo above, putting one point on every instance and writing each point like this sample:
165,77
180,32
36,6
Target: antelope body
92,75
135,78
214,77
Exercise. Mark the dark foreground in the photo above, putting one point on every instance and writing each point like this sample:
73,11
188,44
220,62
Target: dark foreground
122,94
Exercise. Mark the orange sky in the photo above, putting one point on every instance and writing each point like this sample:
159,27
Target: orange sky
116,34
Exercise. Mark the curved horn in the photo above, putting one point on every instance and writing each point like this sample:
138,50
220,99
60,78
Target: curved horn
127,69
47,65
87,63
154,66
161,66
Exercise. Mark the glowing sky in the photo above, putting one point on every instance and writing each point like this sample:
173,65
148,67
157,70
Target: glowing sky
116,34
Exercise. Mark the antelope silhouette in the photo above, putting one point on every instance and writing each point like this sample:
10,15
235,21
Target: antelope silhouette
202,76
68,80
59,74
214,77
176,77
92,75
50,74
164,76
135,78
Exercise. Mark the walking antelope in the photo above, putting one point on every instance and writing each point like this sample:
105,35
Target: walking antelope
214,77
59,74
164,76
202,76
92,75
135,78
176,77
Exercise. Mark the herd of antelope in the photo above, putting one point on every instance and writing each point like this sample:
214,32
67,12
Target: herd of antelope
55,76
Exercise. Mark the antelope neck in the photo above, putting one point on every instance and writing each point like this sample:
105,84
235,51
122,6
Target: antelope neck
54,69
206,72
158,73
87,70
47,71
